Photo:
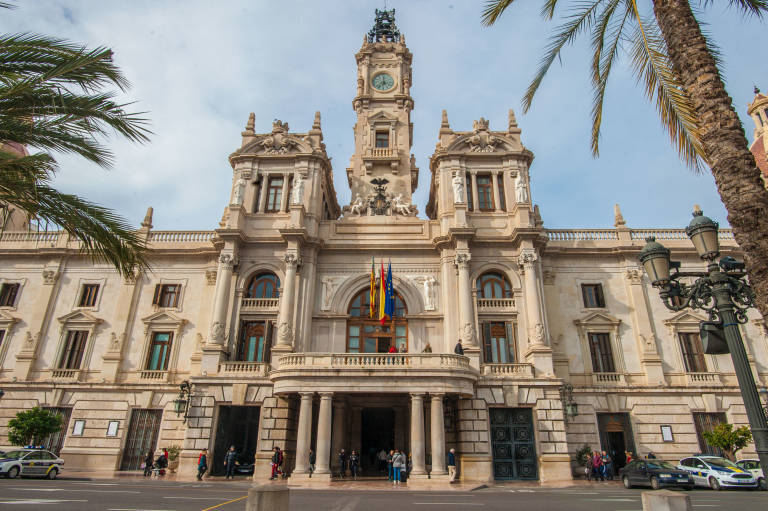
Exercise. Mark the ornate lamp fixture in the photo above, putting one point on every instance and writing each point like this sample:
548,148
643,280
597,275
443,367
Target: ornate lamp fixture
725,296
570,406
181,403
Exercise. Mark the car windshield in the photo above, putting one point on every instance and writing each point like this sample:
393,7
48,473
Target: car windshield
15,454
720,462
661,464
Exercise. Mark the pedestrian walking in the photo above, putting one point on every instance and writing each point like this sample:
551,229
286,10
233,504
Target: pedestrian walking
597,466
230,460
274,463
148,462
607,465
202,464
390,471
398,467
451,465
354,464
459,349
382,456
342,463
588,467
311,462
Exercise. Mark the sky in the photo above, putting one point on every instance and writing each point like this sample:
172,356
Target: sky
198,68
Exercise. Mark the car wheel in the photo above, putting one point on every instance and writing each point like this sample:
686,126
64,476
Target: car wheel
762,484
13,473
654,483
626,482
53,473
714,484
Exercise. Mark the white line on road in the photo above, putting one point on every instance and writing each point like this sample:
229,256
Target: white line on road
41,501
613,500
82,490
445,504
195,498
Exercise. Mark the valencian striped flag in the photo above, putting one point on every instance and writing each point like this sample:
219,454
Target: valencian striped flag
389,298
372,305
382,294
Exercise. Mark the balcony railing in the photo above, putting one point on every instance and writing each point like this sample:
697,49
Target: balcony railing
65,374
495,304
153,375
608,379
581,234
508,370
374,360
244,368
703,378
259,304
38,236
180,236
383,152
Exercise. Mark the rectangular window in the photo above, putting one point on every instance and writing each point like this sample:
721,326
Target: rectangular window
289,192
8,294
74,348
382,139
159,351
593,295
274,195
499,342
257,194
484,193
502,198
707,422
470,204
602,355
88,295
693,352
255,341
167,295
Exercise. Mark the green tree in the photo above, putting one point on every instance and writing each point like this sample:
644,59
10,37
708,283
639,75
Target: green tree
730,440
54,97
678,68
30,427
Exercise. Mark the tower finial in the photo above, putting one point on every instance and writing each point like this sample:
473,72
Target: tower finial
384,28
512,120
444,122
618,218
250,126
147,223
316,124
757,91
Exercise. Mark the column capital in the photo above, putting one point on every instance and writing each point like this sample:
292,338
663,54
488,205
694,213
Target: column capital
325,395
437,396
307,395
417,395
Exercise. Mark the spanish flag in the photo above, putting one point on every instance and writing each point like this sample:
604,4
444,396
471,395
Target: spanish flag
372,305
382,295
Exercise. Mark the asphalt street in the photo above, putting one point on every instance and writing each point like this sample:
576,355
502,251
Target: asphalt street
154,495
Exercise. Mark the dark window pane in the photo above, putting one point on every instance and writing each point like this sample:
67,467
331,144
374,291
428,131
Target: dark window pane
484,193
274,194
159,351
8,294
263,285
89,294
693,353
493,285
74,347
382,139
502,198
601,352
593,295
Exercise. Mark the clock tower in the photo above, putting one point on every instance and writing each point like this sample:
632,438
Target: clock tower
383,131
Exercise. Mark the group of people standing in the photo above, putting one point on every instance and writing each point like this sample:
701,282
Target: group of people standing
155,467
600,465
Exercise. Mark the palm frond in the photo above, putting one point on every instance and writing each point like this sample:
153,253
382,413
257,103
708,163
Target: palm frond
581,18
749,7
493,9
652,67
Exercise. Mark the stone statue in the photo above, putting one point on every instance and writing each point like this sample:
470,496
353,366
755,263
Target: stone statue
357,206
429,302
239,191
297,197
399,207
217,331
458,187
521,189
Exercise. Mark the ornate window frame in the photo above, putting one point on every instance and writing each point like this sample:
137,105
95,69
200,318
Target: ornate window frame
600,322
162,321
180,302
77,320
7,322
687,322
580,282
80,283
21,282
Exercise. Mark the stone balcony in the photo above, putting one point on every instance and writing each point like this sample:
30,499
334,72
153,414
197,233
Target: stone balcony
374,373
507,371
495,304
259,304
65,375
609,379
247,369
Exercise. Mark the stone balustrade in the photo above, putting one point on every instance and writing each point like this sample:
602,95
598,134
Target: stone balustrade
153,375
65,374
374,360
636,235
244,368
36,236
383,152
508,370
703,378
180,236
495,304
581,234
673,234
608,379
259,304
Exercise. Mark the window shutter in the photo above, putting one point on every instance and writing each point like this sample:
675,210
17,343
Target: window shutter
511,342
156,298
599,295
176,295
487,343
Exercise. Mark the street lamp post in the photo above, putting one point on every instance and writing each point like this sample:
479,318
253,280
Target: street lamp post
724,295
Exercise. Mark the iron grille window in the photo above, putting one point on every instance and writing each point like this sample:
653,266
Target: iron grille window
499,342
74,348
707,422
167,295
593,295
484,193
693,352
55,441
382,139
159,351
274,195
8,293
602,354
88,295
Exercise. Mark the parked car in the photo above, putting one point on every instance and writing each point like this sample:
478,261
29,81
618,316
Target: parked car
753,467
656,474
244,465
717,472
30,462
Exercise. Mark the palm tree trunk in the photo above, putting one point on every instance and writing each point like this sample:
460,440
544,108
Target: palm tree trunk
736,174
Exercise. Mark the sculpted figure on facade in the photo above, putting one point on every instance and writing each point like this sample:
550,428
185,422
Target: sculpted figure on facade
400,207
239,191
297,196
521,189
285,333
527,257
458,187
226,260
357,207
330,284
539,334
482,141
217,332
49,277
467,334
429,300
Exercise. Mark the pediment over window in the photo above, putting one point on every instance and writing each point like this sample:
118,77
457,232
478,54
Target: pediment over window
82,318
6,320
685,318
597,319
381,116
164,319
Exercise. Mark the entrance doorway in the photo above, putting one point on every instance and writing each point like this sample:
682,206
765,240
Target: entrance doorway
513,444
238,426
616,437
142,437
378,432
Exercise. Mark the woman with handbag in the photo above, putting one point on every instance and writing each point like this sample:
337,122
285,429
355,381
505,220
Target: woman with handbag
398,466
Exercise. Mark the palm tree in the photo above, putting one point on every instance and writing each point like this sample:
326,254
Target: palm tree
678,67
52,98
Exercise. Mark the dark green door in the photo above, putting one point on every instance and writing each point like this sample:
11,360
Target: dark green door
513,444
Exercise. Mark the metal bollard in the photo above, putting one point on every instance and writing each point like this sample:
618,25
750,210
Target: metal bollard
267,497
664,500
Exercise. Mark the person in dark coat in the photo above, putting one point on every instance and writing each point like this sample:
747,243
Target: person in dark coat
148,461
312,459
459,350
451,465
343,462
354,464
230,460
202,464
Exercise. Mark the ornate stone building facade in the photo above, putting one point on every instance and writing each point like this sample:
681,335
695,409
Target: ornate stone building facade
267,317
758,110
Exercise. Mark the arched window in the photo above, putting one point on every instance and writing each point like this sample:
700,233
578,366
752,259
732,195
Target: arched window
368,335
263,285
493,285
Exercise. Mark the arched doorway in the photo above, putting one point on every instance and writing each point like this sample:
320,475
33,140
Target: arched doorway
368,335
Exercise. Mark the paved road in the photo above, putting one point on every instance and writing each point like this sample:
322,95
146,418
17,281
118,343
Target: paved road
153,495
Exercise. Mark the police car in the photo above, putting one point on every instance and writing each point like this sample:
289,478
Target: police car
717,472
30,462
753,467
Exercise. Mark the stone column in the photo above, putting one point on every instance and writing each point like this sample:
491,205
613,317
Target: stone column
263,192
417,434
220,303
466,321
284,194
536,332
285,315
475,206
337,437
438,436
304,433
496,198
324,434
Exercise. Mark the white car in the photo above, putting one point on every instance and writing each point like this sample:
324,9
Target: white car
717,473
30,462
753,467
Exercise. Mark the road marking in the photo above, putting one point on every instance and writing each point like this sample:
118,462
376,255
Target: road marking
443,504
41,501
194,498
613,500
27,488
225,503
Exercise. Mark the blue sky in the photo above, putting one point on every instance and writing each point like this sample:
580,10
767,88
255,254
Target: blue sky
199,67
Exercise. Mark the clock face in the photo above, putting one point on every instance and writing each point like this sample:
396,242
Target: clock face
383,81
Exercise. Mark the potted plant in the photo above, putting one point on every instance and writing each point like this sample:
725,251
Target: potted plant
173,457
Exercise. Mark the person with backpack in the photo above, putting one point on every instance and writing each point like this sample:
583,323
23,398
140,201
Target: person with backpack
202,464
607,466
274,463
398,467
342,463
